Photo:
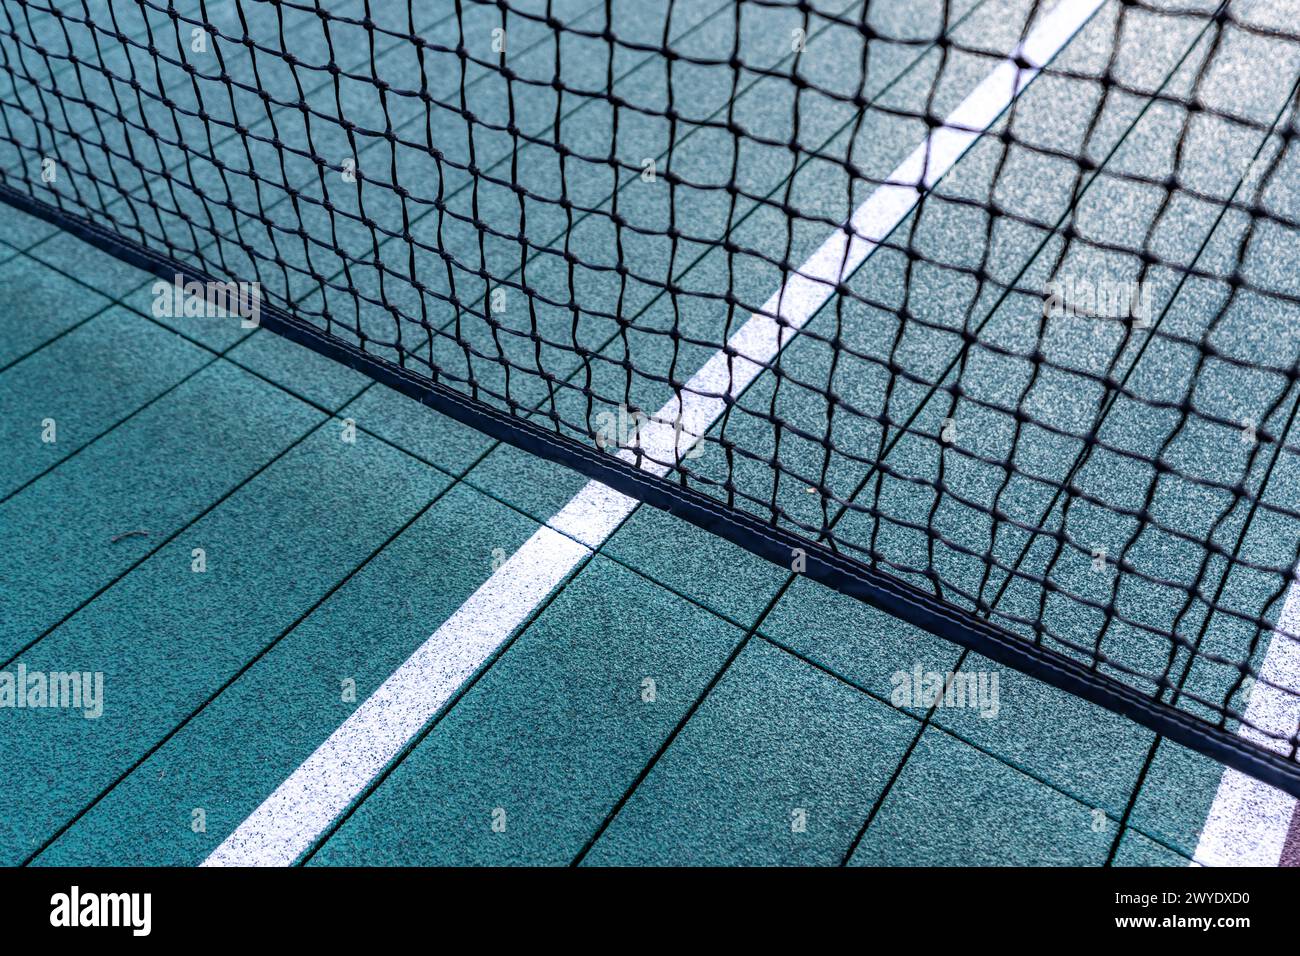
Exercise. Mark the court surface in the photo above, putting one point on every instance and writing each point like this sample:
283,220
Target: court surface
338,628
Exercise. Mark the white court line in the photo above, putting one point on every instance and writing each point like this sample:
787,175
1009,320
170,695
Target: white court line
1249,820
286,824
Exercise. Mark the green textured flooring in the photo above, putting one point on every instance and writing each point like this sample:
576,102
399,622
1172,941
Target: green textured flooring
220,684
771,737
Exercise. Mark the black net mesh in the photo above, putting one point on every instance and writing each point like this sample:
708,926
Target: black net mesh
985,311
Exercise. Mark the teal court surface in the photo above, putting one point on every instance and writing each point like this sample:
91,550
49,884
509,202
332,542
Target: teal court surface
309,619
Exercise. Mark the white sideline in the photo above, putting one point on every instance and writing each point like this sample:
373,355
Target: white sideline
1249,820
290,820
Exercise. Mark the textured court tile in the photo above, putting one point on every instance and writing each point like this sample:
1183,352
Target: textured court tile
537,487
1176,796
93,267
155,474
419,429
550,737
157,298
287,703
954,805
778,766
1135,849
166,638
299,370
36,304
1082,749
20,231
853,639
84,382
718,574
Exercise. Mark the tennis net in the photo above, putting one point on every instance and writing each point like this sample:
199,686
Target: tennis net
982,311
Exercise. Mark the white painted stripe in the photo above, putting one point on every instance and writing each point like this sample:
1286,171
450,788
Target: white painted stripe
1248,821
801,296
279,830
286,824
